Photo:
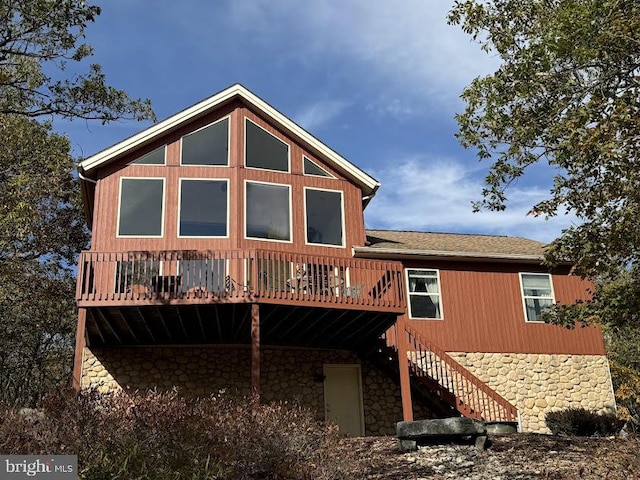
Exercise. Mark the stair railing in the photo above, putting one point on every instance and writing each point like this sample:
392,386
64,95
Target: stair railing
473,397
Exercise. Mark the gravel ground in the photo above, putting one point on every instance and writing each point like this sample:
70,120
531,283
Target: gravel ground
522,456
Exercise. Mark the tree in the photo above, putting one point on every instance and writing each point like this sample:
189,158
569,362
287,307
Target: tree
41,232
41,220
567,94
38,40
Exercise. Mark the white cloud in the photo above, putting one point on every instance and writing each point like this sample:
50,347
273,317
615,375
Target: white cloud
314,116
430,194
403,48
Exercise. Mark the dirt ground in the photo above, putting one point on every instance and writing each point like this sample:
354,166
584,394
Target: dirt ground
520,456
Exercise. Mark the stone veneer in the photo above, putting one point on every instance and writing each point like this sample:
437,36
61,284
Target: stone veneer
539,383
291,374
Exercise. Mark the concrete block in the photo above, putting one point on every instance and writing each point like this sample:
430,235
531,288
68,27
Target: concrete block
441,427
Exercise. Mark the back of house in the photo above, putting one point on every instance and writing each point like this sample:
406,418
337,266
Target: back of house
229,252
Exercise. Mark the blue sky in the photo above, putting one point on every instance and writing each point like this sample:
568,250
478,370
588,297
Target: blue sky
375,80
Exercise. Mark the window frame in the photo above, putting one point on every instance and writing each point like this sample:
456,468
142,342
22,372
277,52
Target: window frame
288,170
328,175
523,297
201,179
246,203
189,165
163,211
342,219
409,293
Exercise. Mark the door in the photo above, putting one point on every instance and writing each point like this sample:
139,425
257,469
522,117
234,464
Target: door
343,398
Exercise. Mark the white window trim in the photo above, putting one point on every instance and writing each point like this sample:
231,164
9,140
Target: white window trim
344,232
316,164
164,159
290,212
164,198
189,165
406,275
247,119
522,295
201,179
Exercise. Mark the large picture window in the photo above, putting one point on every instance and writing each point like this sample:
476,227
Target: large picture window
324,217
424,294
264,150
268,211
203,208
207,146
537,294
141,207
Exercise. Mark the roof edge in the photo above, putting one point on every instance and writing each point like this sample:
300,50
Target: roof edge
404,253
367,183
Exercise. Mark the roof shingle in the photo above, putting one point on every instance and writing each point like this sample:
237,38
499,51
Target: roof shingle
471,244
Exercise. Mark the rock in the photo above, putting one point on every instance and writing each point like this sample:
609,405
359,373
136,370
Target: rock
481,442
407,445
500,428
442,427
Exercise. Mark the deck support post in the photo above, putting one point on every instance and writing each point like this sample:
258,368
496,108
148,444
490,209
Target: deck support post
255,354
80,344
403,365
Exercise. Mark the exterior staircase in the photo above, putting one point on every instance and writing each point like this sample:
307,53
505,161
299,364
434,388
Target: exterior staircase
433,373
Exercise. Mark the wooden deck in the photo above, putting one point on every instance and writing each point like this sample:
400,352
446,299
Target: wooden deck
107,279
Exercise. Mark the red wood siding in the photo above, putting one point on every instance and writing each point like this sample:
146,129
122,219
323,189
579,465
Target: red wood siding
107,191
483,312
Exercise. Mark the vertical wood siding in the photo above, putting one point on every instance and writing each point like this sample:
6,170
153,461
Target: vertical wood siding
483,312
107,191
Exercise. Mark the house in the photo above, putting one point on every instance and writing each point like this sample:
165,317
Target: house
229,252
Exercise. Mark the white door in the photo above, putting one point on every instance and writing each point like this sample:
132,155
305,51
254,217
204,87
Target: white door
343,398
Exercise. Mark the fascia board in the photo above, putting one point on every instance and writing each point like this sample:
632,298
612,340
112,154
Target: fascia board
368,183
397,253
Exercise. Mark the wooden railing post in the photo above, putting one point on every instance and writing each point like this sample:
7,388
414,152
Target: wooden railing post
80,344
255,354
403,365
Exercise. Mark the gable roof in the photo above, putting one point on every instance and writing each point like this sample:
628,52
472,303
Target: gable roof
449,246
368,184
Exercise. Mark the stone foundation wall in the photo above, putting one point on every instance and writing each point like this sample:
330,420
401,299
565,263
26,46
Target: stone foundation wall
537,384
292,374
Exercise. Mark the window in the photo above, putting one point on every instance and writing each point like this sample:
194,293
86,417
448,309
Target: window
424,294
324,217
207,146
537,294
268,211
263,150
203,210
141,207
312,168
155,157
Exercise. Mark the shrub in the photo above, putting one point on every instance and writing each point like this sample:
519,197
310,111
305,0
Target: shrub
627,392
163,436
582,422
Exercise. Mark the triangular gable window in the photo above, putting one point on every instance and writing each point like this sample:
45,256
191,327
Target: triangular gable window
155,157
311,168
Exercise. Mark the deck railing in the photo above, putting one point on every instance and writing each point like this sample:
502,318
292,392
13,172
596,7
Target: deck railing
473,398
238,276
